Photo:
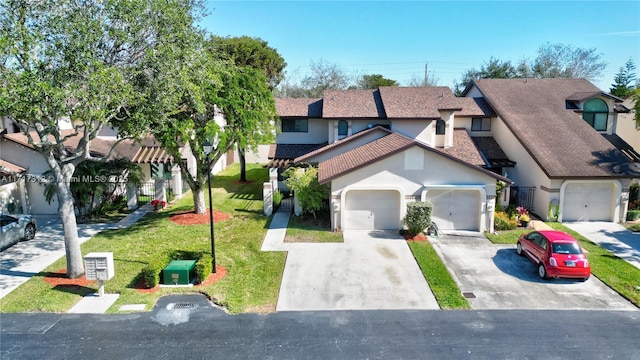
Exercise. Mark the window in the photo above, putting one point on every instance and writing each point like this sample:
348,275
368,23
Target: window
440,126
481,124
595,113
160,171
295,125
343,128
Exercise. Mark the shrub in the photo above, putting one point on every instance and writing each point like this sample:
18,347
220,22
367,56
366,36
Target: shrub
277,198
151,272
502,221
203,268
633,215
418,217
633,192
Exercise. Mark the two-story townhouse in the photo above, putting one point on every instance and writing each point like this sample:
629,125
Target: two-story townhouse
379,149
556,131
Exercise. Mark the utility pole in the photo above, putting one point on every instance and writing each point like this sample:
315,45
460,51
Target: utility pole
426,74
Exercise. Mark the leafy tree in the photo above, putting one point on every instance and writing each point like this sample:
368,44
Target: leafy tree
624,80
565,61
304,183
374,81
324,76
254,53
78,59
492,69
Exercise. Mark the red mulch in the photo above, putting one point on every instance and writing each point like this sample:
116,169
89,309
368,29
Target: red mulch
221,272
191,218
419,237
59,278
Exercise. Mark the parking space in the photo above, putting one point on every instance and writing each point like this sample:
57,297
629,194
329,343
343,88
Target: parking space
495,277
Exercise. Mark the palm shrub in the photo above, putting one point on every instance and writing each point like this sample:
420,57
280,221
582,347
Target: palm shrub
418,217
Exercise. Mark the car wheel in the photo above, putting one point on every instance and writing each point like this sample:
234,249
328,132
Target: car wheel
542,272
519,248
29,232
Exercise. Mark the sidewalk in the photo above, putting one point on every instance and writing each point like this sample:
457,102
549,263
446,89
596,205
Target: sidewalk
27,258
622,242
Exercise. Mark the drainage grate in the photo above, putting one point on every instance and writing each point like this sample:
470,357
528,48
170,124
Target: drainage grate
183,306
469,295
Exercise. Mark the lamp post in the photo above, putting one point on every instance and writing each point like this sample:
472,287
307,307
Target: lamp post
207,147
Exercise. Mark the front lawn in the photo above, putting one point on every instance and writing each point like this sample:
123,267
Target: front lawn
253,278
442,285
610,269
306,228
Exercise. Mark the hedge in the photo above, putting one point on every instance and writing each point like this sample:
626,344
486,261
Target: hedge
152,272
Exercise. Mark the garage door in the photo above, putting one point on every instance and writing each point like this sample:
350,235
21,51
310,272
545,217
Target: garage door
372,210
587,202
455,209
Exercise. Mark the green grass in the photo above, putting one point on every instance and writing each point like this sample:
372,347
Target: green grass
306,228
442,285
618,274
252,283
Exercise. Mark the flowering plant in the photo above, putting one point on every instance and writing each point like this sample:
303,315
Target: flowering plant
158,204
523,214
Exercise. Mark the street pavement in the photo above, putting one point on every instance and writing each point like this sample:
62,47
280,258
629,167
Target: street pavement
494,276
189,327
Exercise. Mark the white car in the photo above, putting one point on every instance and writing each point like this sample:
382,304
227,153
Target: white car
14,228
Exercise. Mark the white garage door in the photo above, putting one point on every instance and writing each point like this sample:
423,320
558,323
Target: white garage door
587,202
372,210
455,209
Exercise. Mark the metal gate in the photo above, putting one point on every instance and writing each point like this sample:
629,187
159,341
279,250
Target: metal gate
523,196
286,205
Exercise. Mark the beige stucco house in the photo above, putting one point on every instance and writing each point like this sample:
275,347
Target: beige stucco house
379,149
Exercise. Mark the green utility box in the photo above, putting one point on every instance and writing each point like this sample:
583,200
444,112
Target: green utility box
179,272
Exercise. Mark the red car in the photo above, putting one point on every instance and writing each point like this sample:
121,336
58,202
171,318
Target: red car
556,253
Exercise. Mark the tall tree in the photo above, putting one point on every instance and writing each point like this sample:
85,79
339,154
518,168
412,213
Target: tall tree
77,59
374,81
492,69
255,53
565,61
624,80
324,76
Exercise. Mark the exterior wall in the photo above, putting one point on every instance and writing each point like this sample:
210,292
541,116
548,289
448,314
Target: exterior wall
23,156
626,126
391,173
10,193
317,133
37,204
261,156
421,130
359,125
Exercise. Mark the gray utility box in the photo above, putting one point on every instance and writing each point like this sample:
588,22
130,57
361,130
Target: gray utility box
99,266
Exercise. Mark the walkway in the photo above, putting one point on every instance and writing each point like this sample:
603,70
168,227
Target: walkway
27,258
369,270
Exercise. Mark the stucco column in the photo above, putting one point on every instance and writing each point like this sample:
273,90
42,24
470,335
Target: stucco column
176,178
267,198
297,207
447,116
160,193
624,203
132,196
273,178
491,209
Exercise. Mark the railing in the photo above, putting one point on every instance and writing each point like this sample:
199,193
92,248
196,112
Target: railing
523,196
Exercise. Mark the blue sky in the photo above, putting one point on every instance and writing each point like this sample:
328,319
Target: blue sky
397,38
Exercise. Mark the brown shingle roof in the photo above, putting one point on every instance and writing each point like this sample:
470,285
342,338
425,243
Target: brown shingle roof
341,142
299,107
623,146
562,144
418,102
10,168
476,107
463,148
351,104
379,149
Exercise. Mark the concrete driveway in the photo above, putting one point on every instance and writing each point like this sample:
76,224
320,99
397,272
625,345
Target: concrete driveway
614,237
370,270
495,277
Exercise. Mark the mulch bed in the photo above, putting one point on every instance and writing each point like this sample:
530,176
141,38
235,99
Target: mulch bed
221,272
419,237
191,218
59,278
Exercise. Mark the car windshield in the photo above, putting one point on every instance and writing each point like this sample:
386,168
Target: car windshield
566,248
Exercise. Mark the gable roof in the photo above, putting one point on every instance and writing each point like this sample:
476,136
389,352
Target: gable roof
558,139
377,150
418,102
341,142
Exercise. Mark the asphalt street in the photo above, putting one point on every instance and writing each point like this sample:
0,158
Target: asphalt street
189,327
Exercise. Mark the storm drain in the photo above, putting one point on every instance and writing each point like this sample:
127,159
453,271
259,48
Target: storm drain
469,295
182,306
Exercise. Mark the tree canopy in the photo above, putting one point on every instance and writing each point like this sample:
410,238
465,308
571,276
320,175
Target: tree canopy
624,82
374,81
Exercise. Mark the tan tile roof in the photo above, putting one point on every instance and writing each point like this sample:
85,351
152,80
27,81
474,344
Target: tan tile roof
381,148
350,104
558,139
299,107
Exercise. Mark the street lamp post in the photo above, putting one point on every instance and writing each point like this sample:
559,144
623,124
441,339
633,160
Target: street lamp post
207,147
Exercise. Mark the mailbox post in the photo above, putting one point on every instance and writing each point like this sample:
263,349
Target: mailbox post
99,266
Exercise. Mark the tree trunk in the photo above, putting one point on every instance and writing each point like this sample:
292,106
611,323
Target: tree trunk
75,265
198,201
243,165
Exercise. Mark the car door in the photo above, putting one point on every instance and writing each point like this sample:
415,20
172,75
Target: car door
530,244
9,233
540,247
